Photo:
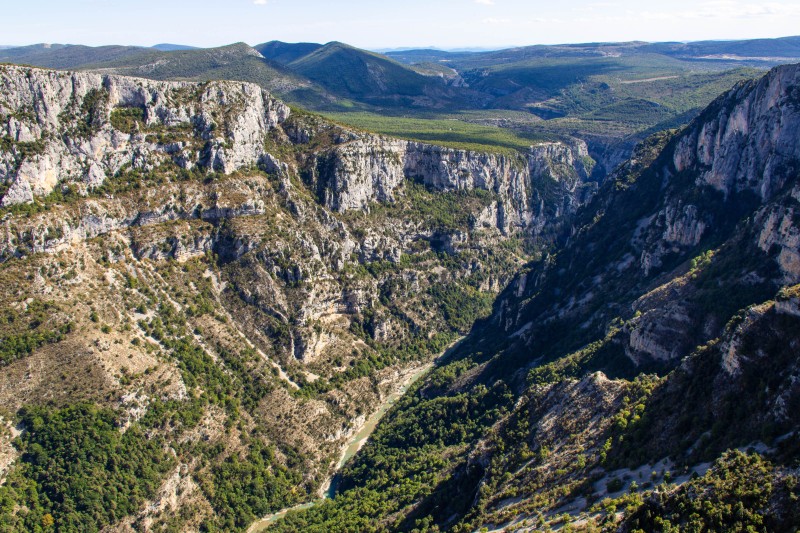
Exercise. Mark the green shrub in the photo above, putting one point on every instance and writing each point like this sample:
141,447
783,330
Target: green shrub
128,119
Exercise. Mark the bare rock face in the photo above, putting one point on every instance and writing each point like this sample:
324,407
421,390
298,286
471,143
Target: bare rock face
369,169
362,171
80,129
62,127
741,153
743,148
780,232
581,403
18,193
747,140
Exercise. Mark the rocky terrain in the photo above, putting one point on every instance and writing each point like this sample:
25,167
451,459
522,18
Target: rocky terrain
205,292
643,377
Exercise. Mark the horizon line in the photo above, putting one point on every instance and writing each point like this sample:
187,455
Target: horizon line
388,49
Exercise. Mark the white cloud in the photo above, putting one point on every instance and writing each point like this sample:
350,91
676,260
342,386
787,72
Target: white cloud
260,2
727,9
485,2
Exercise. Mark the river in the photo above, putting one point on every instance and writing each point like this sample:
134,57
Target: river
353,445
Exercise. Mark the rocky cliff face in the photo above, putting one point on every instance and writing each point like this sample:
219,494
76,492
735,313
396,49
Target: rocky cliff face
84,135
58,127
82,128
747,139
686,258
677,206
550,181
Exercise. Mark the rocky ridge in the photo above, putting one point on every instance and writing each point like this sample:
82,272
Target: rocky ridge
63,119
681,199
365,171
694,269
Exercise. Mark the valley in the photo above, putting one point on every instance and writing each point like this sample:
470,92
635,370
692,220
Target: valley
353,446
619,353
308,287
236,284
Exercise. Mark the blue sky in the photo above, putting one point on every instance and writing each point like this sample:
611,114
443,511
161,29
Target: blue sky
401,23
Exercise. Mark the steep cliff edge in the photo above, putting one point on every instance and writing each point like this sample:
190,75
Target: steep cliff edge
60,127
535,188
707,207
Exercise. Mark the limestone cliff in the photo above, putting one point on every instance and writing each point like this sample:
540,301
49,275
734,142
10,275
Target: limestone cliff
535,188
59,127
669,219
80,129
747,139
701,275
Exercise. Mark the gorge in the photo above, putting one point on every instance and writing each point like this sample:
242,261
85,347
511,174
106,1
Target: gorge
207,294
236,280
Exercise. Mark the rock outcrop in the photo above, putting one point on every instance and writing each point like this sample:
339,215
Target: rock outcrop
551,180
59,127
747,139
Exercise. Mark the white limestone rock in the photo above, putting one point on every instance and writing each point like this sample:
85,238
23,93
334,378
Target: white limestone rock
68,115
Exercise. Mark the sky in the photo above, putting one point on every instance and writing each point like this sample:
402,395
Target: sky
377,24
